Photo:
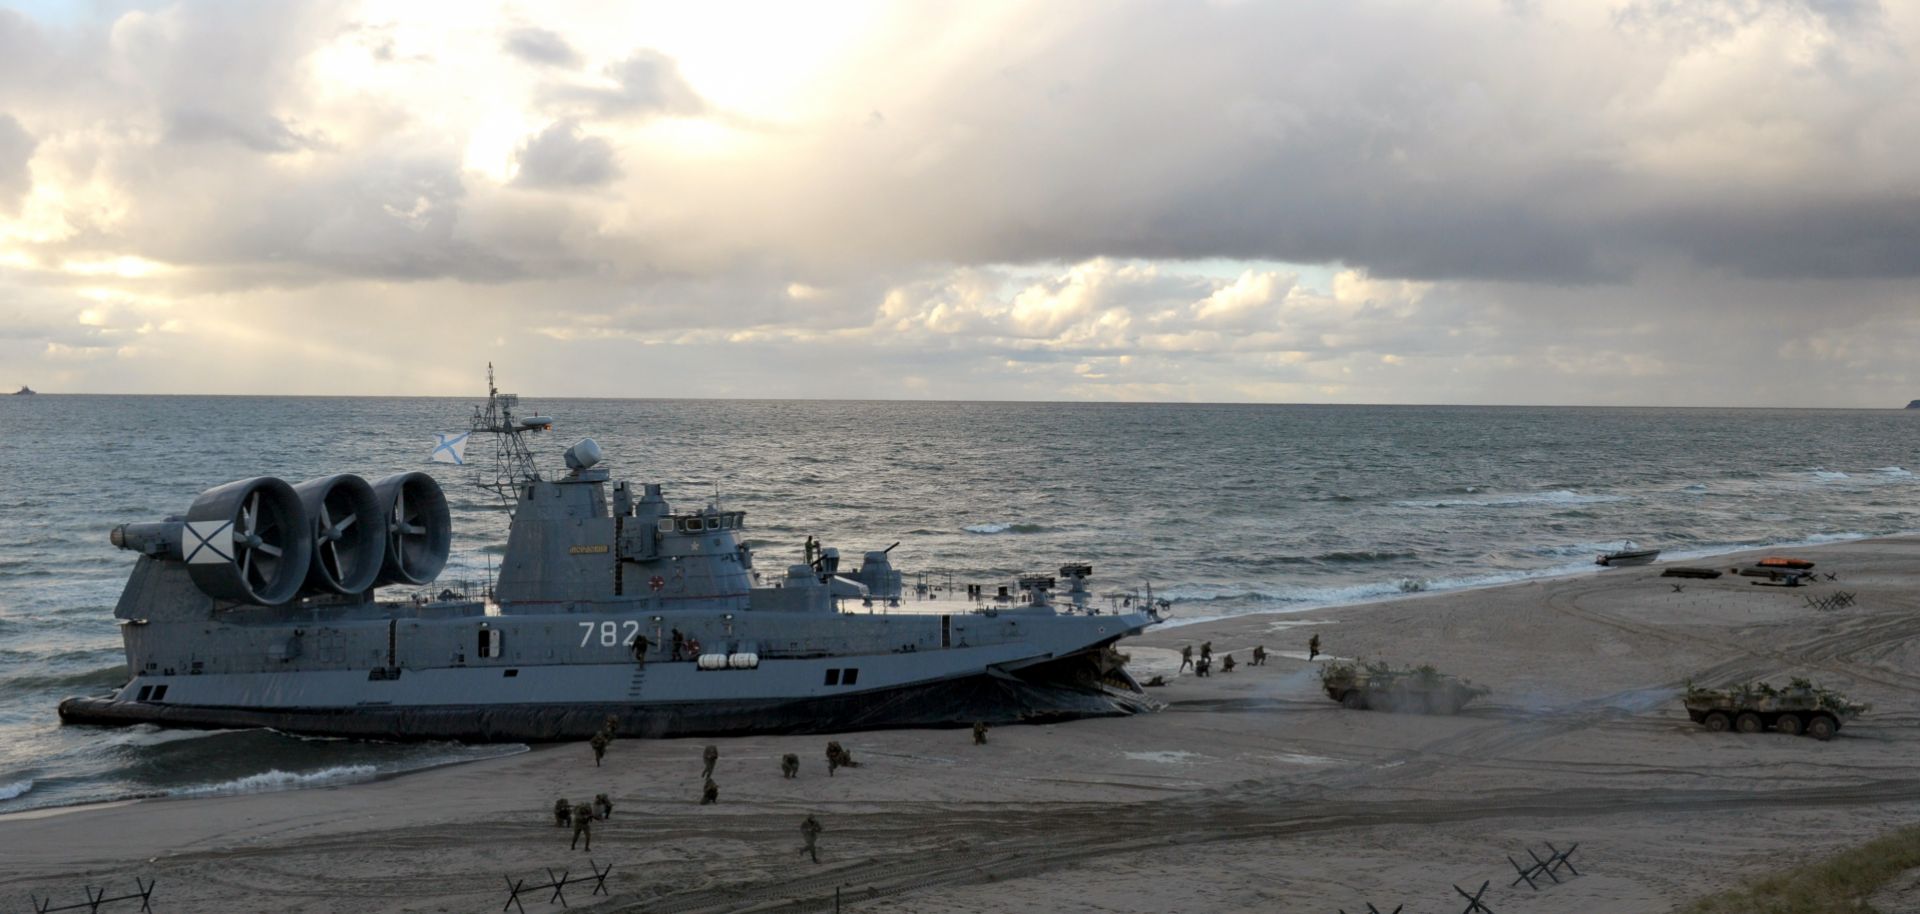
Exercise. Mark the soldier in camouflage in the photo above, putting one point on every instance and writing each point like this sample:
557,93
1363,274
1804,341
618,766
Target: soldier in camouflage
599,744
710,794
790,766
562,813
810,832
710,756
979,732
582,825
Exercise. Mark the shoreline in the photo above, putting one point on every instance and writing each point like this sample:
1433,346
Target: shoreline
1248,791
190,793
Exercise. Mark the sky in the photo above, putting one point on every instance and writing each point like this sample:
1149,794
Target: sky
1629,202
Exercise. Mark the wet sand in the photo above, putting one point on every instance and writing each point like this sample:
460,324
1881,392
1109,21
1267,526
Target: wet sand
1250,791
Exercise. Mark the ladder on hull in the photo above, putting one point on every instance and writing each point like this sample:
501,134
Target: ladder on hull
635,684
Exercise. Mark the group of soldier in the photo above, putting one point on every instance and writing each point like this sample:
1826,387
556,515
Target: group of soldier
582,815
1204,666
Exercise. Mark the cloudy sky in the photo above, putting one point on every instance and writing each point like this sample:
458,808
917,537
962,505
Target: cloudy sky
1662,202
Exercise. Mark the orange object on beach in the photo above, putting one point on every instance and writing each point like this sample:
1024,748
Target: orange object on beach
1777,561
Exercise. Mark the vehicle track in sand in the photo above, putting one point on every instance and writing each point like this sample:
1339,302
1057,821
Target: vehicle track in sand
1063,841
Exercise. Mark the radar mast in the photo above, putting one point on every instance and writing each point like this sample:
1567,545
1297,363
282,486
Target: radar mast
512,458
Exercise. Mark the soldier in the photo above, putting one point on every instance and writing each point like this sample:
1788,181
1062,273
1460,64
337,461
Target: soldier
1259,655
1155,682
602,807
611,727
1206,651
599,743
810,832
1186,658
789,766
979,732
582,825
562,812
640,646
710,794
833,757
1313,647
679,643
710,756
1226,664
1204,667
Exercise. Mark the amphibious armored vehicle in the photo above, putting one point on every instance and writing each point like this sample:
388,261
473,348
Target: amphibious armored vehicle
286,606
1800,708
1380,687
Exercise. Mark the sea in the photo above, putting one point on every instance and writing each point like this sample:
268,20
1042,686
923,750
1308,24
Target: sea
1225,509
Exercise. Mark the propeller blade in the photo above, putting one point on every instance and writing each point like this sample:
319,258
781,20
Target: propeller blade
342,526
267,548
326,519
251,513
332,550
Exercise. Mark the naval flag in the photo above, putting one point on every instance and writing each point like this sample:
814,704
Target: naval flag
450,449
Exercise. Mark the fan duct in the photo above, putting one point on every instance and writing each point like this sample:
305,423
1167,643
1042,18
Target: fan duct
419,529
248,541
349,527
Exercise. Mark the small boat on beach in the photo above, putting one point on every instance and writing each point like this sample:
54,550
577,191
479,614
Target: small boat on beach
1781,561
1627,557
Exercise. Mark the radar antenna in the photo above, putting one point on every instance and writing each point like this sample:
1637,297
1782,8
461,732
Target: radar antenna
512,458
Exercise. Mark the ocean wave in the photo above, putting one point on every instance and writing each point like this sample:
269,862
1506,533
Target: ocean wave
1555,497
1824,473
1893,471
275,779
105,676
15,789
147,735
1362,556
1003,528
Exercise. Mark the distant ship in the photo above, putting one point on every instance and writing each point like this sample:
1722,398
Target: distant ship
26,391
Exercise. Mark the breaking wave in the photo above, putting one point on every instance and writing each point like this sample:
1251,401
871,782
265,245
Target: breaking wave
1556,497
1003,528
15,789
276,779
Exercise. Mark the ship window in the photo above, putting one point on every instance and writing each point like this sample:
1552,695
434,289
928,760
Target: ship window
833,677
850,676
159,693
510,674
146,692
489,642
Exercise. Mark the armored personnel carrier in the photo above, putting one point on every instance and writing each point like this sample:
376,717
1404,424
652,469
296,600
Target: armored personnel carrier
1380,687
1800,708
262,607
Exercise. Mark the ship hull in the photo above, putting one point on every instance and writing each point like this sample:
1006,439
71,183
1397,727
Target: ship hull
1063,690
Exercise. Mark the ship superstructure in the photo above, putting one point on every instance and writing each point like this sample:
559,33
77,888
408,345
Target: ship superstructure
260,607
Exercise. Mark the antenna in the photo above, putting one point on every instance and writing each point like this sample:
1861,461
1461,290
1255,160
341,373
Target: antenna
512,458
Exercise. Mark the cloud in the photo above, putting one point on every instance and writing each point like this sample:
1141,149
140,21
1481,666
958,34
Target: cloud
560,156
16,150
1358,201
647,83
543,47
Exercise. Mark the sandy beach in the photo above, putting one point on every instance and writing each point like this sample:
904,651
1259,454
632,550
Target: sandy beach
1250,791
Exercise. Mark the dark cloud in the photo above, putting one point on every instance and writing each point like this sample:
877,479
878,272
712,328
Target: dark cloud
541,46
16,150
561,157
647,83
258,132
